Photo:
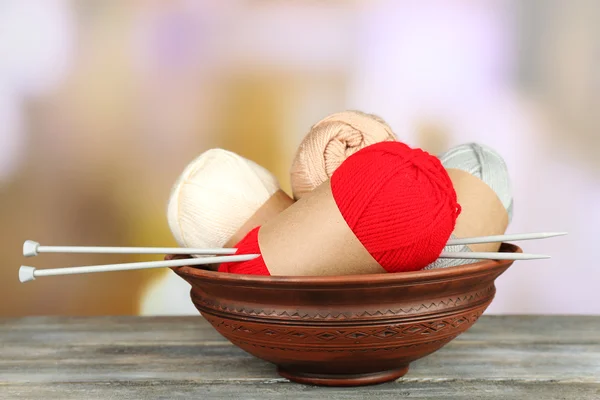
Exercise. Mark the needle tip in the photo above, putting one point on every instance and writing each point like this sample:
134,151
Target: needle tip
537,256
553,234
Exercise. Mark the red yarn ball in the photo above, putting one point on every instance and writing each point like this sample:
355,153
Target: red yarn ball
248,245
399,202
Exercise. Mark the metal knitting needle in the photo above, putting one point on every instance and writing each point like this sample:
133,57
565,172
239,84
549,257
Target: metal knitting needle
30,273
504,238
493,256
31,248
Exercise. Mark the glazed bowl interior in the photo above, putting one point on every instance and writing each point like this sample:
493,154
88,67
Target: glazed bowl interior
345,330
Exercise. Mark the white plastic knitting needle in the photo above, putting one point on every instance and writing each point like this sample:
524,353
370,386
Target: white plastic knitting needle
31,248
30,273
504,238
493,256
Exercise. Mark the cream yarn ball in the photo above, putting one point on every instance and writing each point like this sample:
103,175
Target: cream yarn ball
214,196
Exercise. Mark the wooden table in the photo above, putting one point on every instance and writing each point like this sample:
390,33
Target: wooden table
524,357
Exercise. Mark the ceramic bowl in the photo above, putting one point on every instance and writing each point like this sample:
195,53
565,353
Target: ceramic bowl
345,330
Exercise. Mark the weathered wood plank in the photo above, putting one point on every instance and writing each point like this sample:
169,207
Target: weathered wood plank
448,390
137,357
210,363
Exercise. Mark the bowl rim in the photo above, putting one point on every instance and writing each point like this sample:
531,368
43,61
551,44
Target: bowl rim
481,267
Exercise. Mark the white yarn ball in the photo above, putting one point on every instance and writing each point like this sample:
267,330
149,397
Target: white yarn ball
214,196
486,164
489,166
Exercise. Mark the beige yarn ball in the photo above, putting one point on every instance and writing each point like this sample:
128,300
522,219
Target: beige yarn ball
329,142
214,196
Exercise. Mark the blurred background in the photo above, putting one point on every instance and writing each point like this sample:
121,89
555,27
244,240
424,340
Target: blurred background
103,103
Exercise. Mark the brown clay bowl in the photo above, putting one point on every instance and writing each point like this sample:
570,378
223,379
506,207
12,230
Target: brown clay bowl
345,330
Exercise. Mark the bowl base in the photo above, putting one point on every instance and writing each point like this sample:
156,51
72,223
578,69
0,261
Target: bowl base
341,379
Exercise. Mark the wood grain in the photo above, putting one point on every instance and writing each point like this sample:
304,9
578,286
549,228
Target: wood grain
550,357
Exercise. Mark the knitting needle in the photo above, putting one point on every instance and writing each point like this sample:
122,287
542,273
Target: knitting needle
27,273
31,248
504,238
493,256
